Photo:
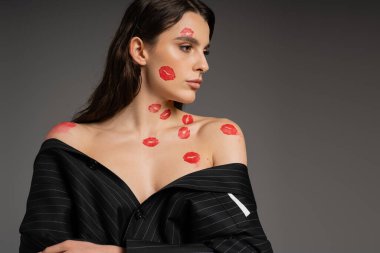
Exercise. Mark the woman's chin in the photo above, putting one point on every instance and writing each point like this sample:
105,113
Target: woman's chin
186,99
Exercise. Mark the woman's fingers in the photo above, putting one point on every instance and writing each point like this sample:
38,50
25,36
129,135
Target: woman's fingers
73,246
57,248
68,245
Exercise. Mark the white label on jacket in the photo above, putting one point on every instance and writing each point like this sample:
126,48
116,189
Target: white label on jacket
242,207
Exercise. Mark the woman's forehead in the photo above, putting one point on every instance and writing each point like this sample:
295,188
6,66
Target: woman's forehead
190,25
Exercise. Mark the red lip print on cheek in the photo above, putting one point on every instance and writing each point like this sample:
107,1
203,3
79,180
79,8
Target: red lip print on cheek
150,141
165,114
187,32
191,157
228,129
167,73
187,119
154,107
184,132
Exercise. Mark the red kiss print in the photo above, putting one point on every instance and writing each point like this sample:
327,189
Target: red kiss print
187,119
167,73
63,127
191,157
150,141
228,129
154,107
165,114
187,32
184,132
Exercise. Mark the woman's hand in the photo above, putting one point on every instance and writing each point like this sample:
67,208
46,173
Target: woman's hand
72,246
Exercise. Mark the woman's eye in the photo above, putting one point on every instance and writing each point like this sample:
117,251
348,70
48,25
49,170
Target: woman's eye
186,47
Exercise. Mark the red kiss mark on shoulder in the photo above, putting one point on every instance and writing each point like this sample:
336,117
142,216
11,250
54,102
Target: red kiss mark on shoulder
228,129
63,127
187,32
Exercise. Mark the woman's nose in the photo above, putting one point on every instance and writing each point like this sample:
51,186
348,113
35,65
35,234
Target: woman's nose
202,64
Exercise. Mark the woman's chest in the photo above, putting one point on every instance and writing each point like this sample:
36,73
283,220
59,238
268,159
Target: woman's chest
145,170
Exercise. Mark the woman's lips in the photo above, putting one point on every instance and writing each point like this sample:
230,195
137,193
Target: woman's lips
195,85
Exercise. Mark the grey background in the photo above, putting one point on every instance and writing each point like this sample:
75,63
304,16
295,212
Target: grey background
299,77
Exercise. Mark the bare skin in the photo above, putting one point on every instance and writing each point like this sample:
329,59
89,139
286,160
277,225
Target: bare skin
150,143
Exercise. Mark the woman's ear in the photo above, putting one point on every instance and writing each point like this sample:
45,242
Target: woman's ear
137,51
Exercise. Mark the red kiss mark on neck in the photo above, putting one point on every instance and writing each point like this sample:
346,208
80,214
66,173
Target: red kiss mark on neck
187,119
154,107
165,114
167,73
187,32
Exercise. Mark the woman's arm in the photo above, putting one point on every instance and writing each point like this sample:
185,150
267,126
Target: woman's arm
47,220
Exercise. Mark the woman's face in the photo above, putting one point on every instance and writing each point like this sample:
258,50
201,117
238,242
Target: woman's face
177,57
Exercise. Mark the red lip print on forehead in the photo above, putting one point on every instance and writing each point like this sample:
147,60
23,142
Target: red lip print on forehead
167,73
187,32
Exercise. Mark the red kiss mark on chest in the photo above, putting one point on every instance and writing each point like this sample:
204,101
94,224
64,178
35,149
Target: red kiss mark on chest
191,157
187,119
165,114
167,73
228,129
150,141
184,132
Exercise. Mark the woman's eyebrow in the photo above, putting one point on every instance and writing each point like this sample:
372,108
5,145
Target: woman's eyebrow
192,40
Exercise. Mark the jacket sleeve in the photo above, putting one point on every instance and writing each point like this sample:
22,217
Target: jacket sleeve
231,225
47,220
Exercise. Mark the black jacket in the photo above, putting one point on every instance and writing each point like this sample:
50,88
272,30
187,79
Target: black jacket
72,196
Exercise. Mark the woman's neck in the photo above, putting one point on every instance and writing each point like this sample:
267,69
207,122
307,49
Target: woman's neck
145,118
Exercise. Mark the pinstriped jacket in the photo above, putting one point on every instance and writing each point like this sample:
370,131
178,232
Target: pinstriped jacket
74,197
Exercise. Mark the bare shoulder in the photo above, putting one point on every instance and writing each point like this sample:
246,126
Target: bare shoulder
69,132
226,140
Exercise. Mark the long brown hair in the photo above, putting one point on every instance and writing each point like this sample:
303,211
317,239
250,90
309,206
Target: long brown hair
121,79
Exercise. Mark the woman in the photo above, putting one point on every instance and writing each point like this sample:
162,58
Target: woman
133,172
